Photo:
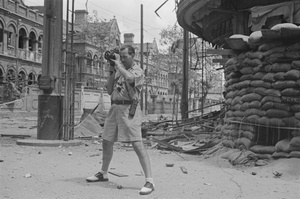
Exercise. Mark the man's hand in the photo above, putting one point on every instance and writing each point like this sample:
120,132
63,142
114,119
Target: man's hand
117,61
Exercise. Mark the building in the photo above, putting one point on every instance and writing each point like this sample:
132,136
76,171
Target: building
21,40
21,43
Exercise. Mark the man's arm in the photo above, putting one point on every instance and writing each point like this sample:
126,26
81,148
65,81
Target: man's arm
129,77
110,81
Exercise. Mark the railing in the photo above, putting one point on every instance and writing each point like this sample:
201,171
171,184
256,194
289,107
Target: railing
30,55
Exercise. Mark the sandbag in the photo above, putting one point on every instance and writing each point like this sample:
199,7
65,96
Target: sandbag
236,100
258,76
252,62
276,122
294,148
296,64
228,143
246,77
249,135
228,153
291,121
294,154
272,92
260,90
254,111
292,75
290,92
284,25
243,143
267,106
282,106
260,83
277,155
270,45
251,97
279,76
255,104
281,67
244,106
278,49
262,149
295,107
264,156
283,146
269,77
253,119
264,121
254,55
270,99
240,36
296,133
243,84
241,157
272,113
295,141
256,38
281,85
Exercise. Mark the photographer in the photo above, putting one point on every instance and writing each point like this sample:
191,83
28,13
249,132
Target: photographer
123,121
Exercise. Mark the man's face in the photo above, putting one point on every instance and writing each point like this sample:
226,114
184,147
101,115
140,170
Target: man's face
126,59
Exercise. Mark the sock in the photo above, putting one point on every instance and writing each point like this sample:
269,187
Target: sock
105,173
149,180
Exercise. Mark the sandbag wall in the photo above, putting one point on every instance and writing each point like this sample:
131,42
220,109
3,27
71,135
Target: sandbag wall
262,96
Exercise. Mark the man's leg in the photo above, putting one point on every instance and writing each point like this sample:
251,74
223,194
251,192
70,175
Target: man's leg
145,163
107,154
143,157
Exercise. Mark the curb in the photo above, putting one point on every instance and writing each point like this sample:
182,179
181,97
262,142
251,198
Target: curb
49,143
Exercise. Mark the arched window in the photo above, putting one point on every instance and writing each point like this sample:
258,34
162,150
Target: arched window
89,63
1,35
40,44
11,75
31,78
1,76
11,31
32,40
22,36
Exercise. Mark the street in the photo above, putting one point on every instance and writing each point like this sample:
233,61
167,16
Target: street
29,172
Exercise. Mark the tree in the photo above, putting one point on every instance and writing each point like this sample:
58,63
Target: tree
199,61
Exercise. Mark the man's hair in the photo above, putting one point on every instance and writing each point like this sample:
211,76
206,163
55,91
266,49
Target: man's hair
131,50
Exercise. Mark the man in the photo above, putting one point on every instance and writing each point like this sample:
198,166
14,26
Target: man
124,85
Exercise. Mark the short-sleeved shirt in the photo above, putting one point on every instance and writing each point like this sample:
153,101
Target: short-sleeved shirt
132,91
118,125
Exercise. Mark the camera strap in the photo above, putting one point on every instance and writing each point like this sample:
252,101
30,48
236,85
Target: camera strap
126,87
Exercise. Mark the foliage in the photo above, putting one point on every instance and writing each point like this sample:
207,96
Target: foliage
96,31
173,36
10,92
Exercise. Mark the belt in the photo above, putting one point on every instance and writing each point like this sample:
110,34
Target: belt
120,102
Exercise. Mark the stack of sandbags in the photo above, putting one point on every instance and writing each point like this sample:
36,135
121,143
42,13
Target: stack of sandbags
295,144
262,87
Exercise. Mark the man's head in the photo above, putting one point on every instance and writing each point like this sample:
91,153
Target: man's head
127,53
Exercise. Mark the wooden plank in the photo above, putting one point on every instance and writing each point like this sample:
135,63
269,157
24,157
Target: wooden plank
221,61
220,51
183,169
118,174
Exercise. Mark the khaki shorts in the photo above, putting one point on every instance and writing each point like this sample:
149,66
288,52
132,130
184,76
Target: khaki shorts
119,127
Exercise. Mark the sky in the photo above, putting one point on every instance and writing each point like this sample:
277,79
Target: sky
128,15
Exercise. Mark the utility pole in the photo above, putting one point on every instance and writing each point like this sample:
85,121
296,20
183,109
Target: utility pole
146,75
50,109
142,52
185,88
